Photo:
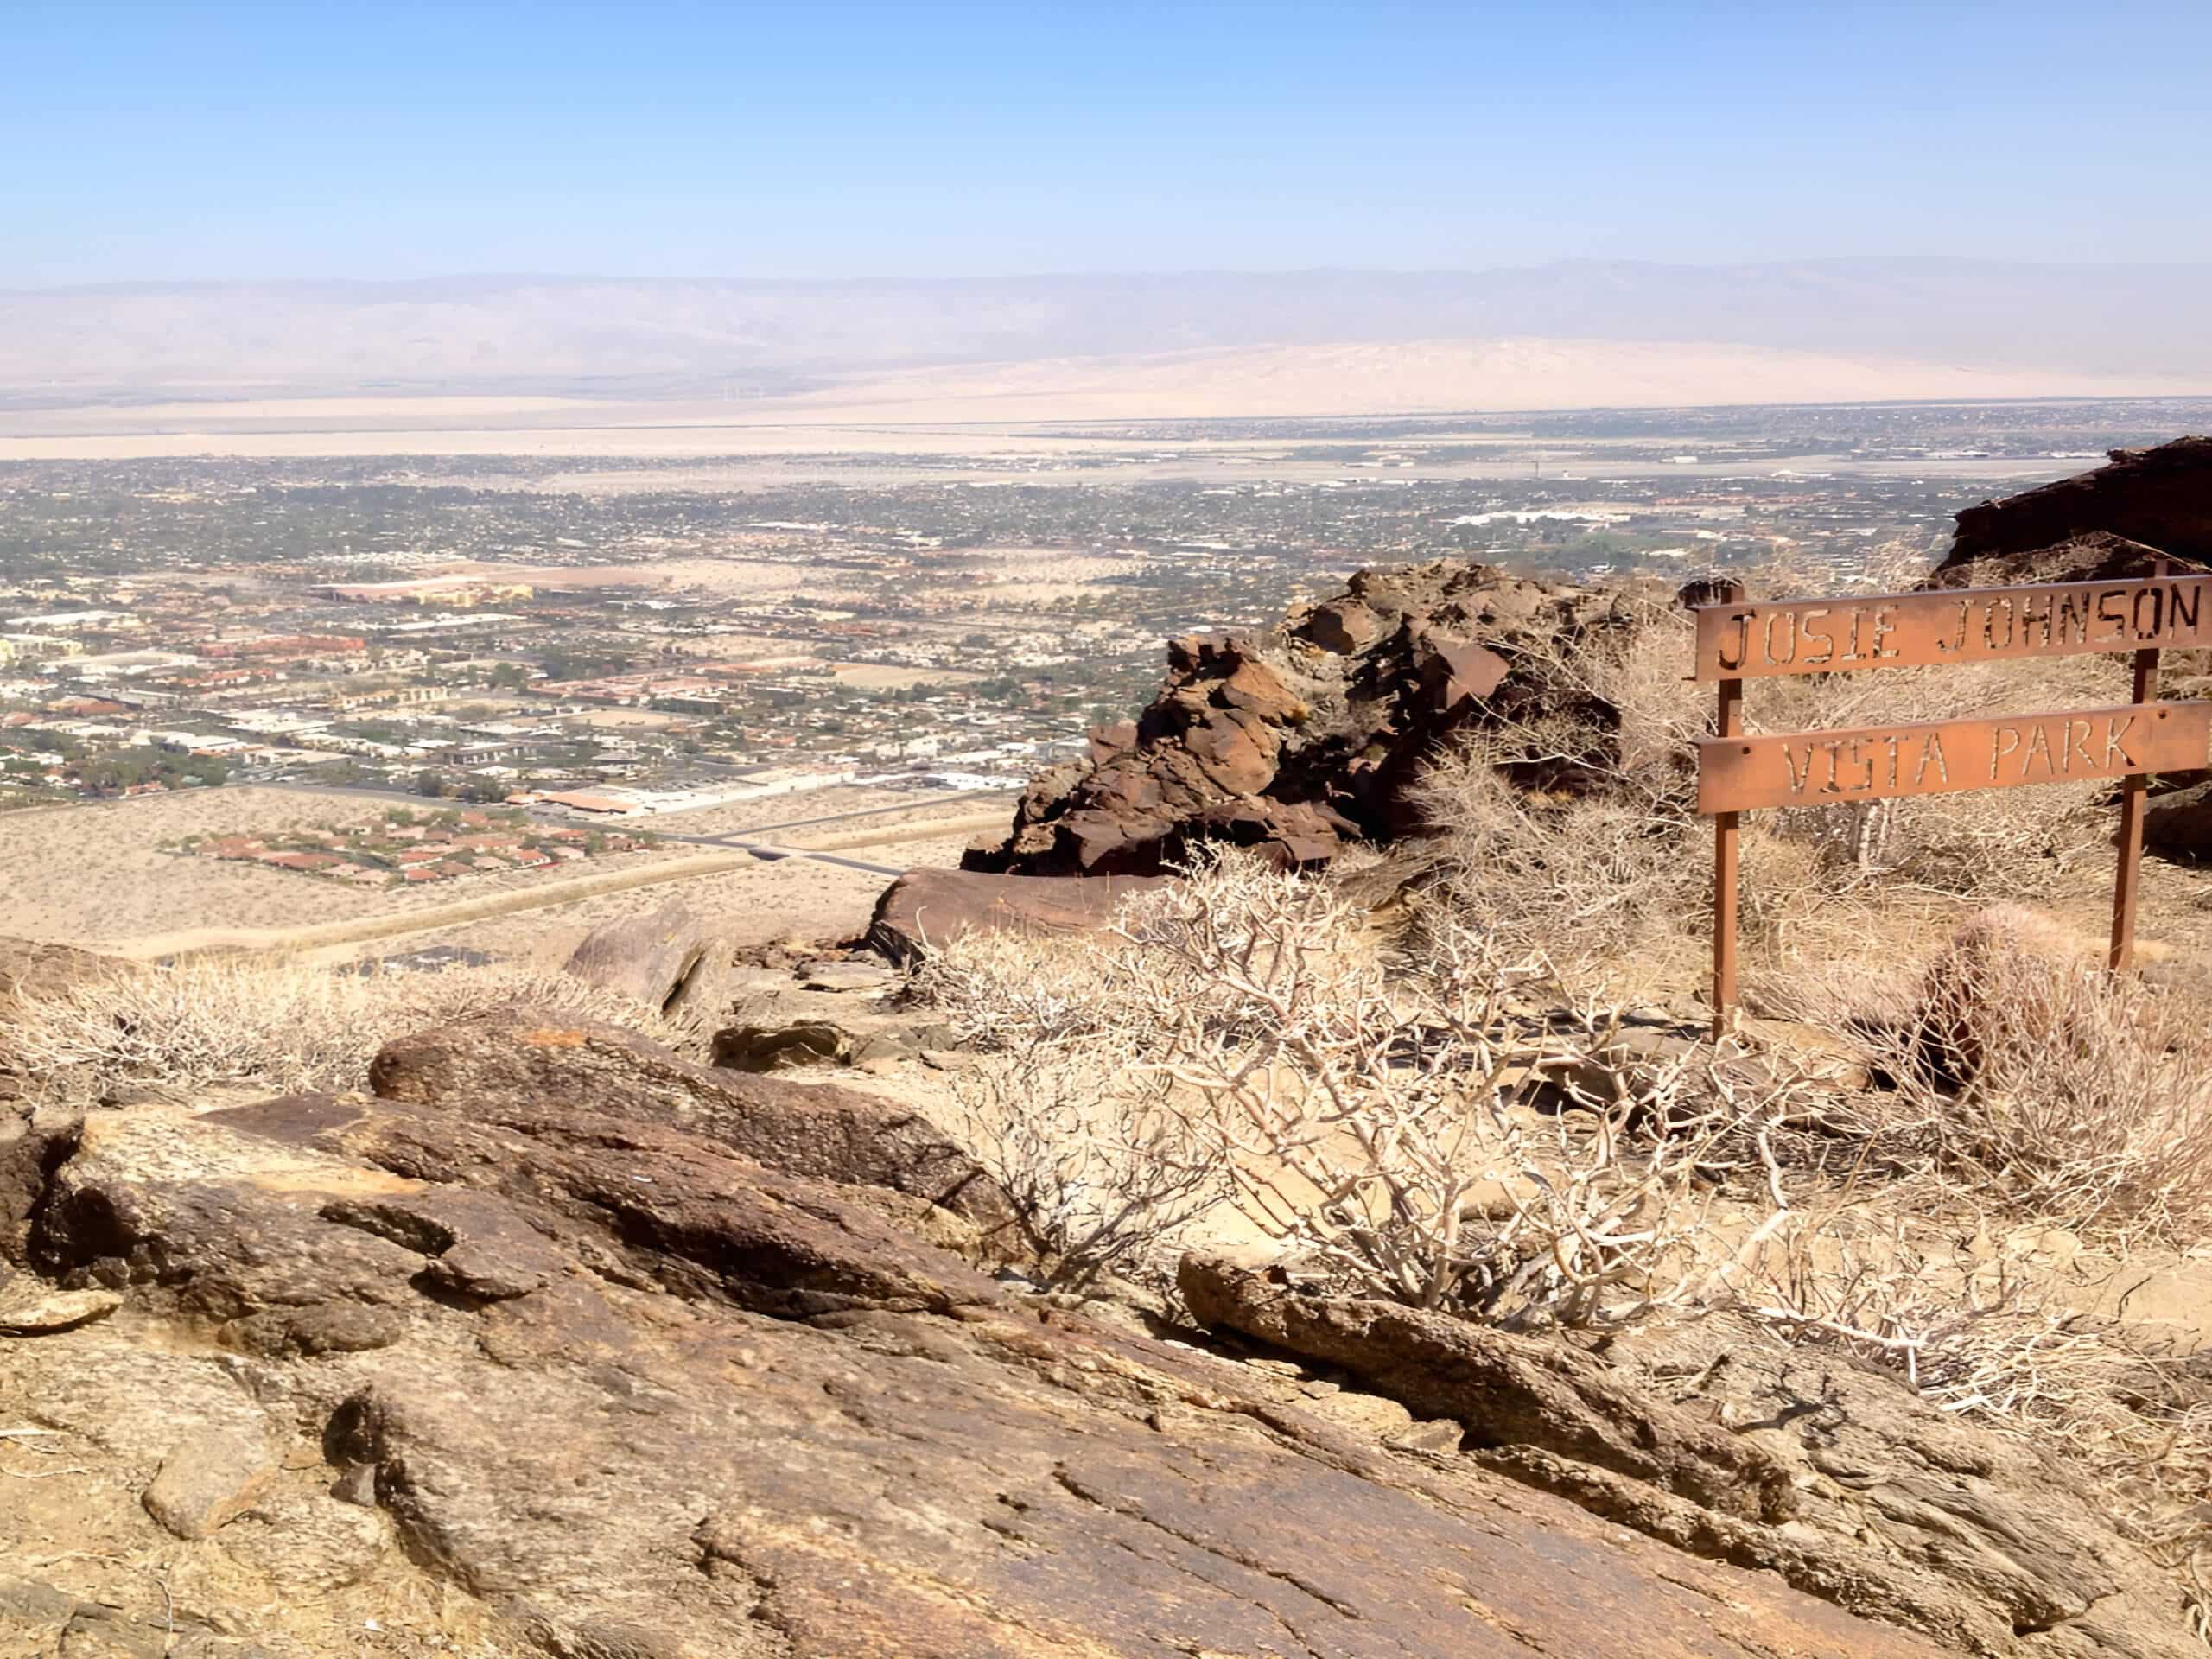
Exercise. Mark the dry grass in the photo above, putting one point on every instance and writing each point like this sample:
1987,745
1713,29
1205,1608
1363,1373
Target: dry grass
272,1022
1616,865
2022,1073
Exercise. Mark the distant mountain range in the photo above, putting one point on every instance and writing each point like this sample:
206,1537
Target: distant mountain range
511,334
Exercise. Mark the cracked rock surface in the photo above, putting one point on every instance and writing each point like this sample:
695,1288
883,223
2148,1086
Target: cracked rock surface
628,1390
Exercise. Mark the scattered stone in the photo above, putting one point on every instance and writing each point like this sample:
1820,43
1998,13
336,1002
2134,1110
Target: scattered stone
357,1485
792,1029
853,976
777,1047
28,1308
666,960
208,1479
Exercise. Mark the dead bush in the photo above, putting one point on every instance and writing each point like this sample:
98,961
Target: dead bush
276,1021
1454,1132
1101,1176
1002,990
2019,1068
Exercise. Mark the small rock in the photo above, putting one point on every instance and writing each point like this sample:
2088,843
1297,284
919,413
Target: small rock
27,1313
778,1047
96,1632
32,1602
1437,1434
206,1480
357,1485
847,976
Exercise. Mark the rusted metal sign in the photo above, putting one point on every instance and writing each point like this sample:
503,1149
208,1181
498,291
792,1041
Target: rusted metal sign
1737,640
1736,775
1747,641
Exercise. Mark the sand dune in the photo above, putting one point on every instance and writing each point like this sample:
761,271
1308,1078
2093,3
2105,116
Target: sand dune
1424,377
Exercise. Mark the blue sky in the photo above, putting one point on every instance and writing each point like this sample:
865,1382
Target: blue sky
191,142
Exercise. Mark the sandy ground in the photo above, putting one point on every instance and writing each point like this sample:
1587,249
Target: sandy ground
887,810
883,676
1411,377
794,899
96,874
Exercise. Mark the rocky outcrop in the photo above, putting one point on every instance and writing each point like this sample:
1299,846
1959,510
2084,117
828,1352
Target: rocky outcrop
2178,823
929,906
820,1130
2103,523
1729,1445
1300,738
639,1394
666,959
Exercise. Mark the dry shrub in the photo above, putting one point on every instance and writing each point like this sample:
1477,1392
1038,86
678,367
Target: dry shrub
1622,860
2063,1091
1006,989
1100,1177
275,1021
1992,1342
1380,1117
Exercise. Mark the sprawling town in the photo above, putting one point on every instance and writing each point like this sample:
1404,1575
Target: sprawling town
617,643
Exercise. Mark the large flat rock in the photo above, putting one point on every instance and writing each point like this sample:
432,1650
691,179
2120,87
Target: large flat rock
645,1396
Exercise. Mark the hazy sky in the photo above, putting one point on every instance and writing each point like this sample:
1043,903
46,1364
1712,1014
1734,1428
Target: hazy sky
176,141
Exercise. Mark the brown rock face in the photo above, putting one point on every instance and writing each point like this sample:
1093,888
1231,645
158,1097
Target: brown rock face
1303,738
2159,500
644,1398
819,1130
927,906
1837,1480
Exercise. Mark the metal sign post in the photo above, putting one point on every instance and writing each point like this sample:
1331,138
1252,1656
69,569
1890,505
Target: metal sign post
2133,793
1728,722
1739,641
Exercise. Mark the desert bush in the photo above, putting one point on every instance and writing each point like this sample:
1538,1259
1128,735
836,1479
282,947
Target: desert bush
1451,1128
272,1021
1453,1131
1001,991
1621,859
1101,1178
2014,1072
2022,1070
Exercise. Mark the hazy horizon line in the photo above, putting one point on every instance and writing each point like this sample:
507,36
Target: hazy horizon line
494,278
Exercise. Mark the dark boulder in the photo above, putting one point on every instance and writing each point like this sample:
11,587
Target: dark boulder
820,1130
2105,523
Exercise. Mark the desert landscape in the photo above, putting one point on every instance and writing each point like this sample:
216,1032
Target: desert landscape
975,833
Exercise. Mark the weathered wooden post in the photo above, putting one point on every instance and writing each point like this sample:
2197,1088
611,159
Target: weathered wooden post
1728,722
2133,790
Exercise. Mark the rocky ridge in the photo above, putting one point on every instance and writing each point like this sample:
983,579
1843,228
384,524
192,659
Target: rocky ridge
2159,498
1301,738
649,1359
